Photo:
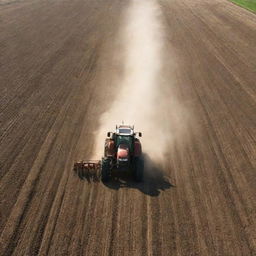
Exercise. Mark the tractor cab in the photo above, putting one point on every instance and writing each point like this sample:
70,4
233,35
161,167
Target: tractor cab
124,136
125,130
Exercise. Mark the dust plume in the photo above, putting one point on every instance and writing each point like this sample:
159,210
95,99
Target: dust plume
139,99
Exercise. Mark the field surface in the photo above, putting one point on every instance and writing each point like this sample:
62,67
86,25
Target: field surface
58,61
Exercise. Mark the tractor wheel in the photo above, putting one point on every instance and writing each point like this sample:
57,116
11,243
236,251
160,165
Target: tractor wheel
138,169
105,170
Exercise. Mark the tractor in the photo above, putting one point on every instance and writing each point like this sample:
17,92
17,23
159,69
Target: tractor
122,154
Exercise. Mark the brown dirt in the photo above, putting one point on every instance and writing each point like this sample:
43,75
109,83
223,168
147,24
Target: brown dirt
56,61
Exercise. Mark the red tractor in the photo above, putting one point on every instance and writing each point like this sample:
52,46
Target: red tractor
122,153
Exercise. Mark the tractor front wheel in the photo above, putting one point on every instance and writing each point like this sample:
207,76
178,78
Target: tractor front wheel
105,170
138,169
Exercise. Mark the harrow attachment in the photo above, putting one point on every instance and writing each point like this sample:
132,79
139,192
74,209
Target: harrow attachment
89,170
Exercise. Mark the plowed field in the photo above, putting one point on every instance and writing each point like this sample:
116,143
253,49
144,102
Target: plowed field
59,66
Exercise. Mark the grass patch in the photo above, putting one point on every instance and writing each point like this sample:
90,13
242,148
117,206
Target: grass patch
248,4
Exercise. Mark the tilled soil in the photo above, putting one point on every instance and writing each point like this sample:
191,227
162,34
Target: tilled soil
56,64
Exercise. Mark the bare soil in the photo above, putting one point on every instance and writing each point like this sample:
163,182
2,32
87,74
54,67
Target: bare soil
56,61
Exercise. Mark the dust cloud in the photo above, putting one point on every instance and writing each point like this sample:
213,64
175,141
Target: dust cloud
139,99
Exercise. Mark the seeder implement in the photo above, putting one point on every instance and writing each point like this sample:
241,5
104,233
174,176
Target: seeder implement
88,169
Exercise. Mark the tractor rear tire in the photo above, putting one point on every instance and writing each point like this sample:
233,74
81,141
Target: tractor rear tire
138,169
105,170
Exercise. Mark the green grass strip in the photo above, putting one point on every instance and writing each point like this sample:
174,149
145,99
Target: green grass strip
248,4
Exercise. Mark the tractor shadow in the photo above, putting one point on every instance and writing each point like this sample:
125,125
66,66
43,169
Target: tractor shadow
155,180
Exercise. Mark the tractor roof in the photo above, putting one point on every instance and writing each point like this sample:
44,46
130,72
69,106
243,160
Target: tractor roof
125,130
